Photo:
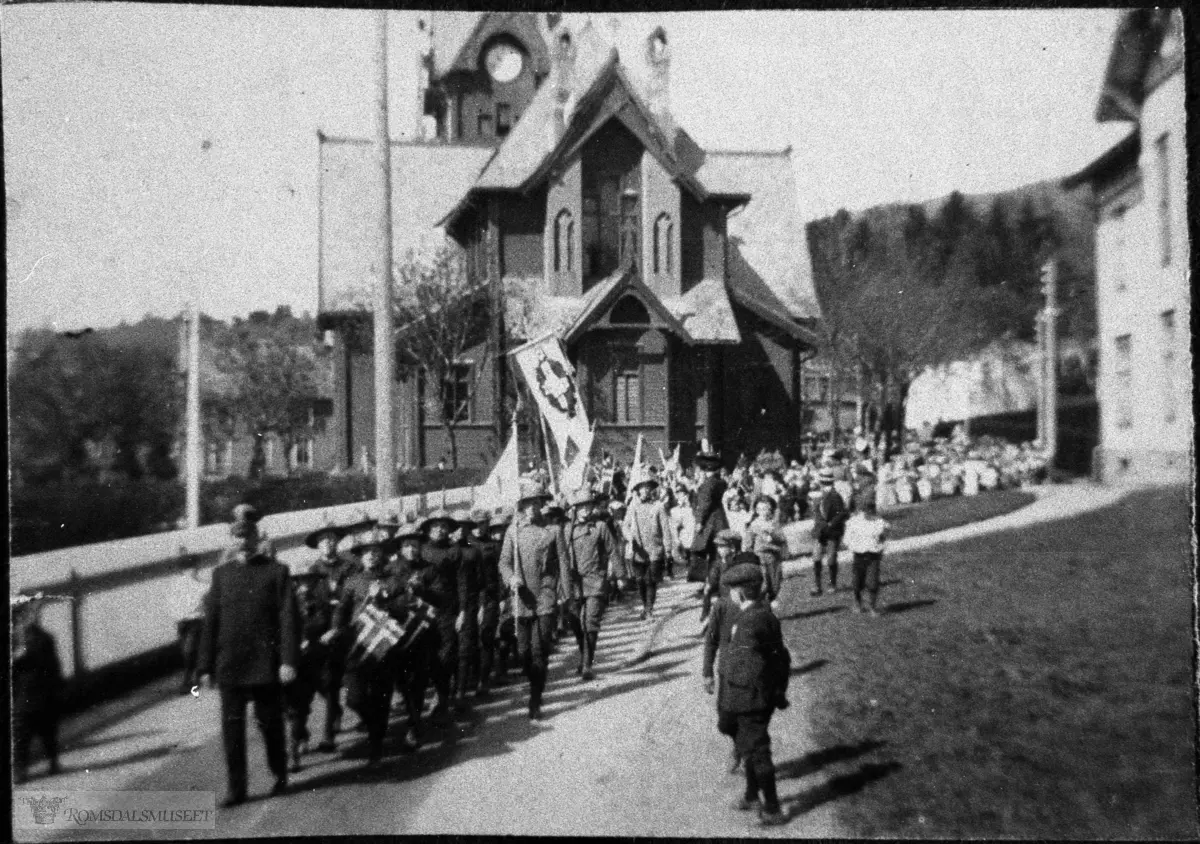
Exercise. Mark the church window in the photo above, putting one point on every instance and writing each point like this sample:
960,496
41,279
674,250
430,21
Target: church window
485,124
503,119
628,403
564,246
664,233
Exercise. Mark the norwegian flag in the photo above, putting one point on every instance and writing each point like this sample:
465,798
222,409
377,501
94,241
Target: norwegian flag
378,633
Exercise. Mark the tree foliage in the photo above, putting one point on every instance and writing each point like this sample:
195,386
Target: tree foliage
904,288
73,399
265,381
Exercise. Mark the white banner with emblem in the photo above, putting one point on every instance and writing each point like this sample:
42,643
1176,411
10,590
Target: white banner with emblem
551,379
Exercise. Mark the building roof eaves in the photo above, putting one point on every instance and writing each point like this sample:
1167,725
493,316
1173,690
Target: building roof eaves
1121,155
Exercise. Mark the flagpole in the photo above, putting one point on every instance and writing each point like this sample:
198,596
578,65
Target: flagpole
385,344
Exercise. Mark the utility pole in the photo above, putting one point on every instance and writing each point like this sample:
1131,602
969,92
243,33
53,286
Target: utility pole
1049,274
193,450
385,460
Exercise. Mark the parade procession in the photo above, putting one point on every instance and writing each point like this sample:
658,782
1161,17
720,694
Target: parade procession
694,424
466,603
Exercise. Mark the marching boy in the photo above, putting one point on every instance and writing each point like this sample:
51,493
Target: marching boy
753,684
866,533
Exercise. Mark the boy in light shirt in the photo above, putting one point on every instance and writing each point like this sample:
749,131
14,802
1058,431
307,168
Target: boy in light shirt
865,535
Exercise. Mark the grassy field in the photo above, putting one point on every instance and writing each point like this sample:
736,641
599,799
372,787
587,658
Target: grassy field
1036,683
945,513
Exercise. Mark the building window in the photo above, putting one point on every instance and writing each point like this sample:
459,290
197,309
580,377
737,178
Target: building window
1123,380
628,401
269,451
1167,324
302,453
631,224
485,124
564,242
1163,149
816,388
591,237
503,119
456,393
664,231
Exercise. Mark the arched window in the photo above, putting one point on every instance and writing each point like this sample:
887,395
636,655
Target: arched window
664,232
564,234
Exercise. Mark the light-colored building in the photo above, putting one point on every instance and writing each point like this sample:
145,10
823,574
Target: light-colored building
1143,296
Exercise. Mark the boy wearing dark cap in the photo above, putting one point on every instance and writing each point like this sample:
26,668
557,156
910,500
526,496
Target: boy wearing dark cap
753,684
727,543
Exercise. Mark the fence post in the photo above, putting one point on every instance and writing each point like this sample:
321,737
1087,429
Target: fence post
75,590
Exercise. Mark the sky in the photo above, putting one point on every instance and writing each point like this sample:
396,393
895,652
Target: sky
156,154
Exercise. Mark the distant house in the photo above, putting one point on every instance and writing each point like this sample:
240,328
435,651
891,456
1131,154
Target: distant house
228,447
676,277
1143,297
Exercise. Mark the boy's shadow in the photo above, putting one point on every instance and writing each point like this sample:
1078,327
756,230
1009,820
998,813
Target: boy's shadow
836,787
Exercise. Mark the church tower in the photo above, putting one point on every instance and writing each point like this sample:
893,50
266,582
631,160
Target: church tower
481,72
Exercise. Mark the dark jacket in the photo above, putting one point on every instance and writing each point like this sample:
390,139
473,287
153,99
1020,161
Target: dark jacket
437,577
251,623
829,520
755,664
491,590
709,512
470,563
358,591
716,634
36,673
335,573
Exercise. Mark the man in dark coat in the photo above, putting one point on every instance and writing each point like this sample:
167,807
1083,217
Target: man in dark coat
36,686
727,544
530,566
829,525
708,509
251,644
332,569
753,684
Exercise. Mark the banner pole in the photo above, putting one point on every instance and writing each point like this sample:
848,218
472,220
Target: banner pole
546,448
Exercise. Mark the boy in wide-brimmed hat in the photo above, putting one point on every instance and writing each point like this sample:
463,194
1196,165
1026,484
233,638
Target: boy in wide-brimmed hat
591,557
437,574
332,568
648,538
829,523
530,567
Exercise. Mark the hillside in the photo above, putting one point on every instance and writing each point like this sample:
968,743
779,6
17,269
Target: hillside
997,230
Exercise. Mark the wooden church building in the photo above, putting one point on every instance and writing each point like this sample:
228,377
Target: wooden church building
677,278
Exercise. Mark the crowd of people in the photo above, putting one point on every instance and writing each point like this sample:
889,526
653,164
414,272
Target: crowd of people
453,602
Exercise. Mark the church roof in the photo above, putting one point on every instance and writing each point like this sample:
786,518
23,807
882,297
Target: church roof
706,313
427,180
604,295
768,252
534,143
